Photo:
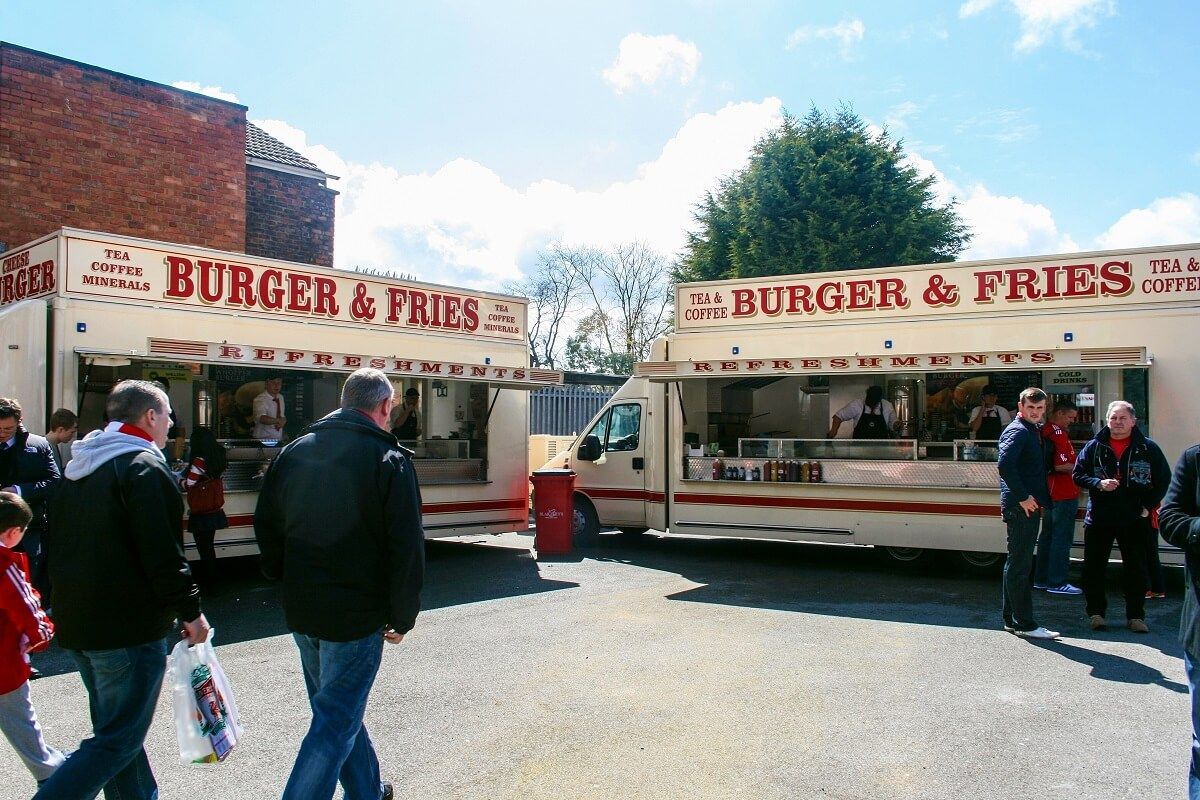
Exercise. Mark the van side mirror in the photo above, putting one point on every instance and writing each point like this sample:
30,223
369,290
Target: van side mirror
589,448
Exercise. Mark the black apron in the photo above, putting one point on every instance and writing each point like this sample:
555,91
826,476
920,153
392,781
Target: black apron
989,429
871,426
406,431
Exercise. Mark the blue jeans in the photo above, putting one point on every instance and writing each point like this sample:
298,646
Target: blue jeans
1054,543
338,677
123,687
1193,676
1017,590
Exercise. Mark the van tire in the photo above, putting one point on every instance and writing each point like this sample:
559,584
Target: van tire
908,556
585,525
981,563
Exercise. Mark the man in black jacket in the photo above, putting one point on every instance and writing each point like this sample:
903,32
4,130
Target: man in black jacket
1126,475
1024,497
28,469
1179,521
120,580
352,569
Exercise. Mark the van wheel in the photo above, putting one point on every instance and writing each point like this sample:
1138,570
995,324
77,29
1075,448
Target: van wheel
585,525
982,563
906,555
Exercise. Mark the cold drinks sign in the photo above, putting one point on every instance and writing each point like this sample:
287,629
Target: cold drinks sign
943,289
232,283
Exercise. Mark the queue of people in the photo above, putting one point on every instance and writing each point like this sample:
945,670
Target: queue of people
1125,475
341,614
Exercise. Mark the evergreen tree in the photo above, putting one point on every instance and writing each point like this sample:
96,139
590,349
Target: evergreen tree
820,194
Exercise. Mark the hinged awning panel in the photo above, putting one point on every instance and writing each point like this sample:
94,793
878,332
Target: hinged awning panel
287,358
664,371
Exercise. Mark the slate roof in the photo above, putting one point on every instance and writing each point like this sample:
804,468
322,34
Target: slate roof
264,146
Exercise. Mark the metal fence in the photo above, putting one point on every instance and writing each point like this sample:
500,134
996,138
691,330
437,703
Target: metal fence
564,410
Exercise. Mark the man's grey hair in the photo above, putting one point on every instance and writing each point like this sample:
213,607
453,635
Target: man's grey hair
365,389
130,400
1116,404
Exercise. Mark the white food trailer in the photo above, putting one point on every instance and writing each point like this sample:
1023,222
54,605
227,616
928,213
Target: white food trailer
725,430
81,310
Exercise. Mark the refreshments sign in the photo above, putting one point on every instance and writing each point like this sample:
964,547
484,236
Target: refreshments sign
1108,279
128,270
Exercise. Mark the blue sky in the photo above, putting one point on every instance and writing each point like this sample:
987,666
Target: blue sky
468,135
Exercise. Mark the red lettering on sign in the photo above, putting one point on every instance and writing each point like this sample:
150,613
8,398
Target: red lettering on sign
322,360
869,362
861,298
810,363
501,372
839,363
297,294
752,365
939,361
729,366
470,314
179,278
1042,358
241,285
478,372
743,302
397,299
378,363
456,369
891,294
904,361
1008,358
701,366
780,364
229,351
270,289
326,300
263,354
800,299
351,361
974,359
431,367
418,308
1116,278
292,356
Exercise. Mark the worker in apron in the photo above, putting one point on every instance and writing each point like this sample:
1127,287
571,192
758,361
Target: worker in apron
987,418
873,417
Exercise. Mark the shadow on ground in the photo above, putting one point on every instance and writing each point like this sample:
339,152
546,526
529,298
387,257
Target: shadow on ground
244,606
862,583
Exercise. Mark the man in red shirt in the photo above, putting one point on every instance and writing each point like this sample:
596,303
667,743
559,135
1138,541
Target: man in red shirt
1058,526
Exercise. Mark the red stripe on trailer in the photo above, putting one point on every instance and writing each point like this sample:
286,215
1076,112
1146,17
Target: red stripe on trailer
839,504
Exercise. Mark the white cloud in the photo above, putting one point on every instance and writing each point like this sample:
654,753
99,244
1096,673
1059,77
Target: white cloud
1010,226
897,116
647,59
1168,220
1001,125
1042,20
211,91
847,33
462,225
973,7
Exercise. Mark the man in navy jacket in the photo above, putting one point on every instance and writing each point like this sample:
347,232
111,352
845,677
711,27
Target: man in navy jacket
1024,497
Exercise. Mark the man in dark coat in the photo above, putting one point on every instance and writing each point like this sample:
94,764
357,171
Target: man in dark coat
339,521
28,469
1179,521
1024,497
120,581
1126,475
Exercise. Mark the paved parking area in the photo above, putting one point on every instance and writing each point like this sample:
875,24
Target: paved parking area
704,669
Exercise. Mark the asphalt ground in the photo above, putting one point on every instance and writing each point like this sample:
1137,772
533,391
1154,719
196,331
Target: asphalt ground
702,669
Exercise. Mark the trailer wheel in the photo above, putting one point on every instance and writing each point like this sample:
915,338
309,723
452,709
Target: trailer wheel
906,555
982,563
585,525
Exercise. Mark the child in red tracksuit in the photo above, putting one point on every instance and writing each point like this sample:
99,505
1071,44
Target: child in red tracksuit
24,629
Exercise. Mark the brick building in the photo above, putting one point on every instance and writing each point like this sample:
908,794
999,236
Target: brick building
87,147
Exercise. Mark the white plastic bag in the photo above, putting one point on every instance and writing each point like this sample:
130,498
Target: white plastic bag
206,716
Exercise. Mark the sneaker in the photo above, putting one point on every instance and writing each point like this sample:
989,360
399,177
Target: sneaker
1097,622
1066,588
1009,628
1041,586
1038,633
1138,626
387,792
